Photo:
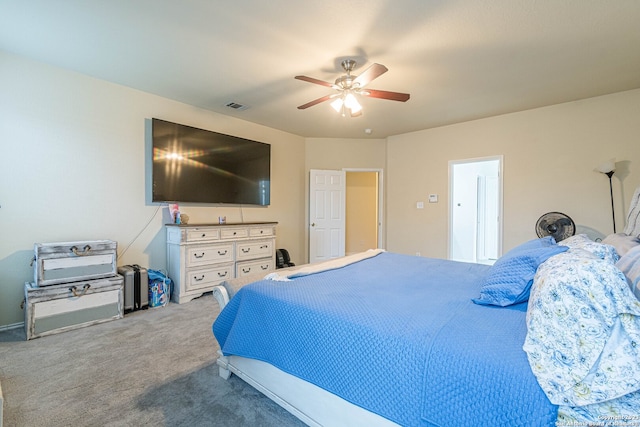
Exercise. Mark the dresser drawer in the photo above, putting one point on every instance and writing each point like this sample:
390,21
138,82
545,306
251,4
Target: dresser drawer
246,268
208,277
234,233
262,231
255,249
202,234
210,254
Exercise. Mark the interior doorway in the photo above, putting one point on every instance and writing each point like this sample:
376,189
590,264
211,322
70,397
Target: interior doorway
345,212
475,210
362,216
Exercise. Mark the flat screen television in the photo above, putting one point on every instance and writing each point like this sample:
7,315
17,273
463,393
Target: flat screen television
191,165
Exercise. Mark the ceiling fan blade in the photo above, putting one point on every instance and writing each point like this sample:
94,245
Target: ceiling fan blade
383,94
316,101
373,72
316,81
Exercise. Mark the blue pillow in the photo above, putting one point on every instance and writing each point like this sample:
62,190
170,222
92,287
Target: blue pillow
509,280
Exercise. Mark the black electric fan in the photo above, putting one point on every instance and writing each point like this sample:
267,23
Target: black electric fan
555,224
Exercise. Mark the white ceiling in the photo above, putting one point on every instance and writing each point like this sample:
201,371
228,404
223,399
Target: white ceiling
459,59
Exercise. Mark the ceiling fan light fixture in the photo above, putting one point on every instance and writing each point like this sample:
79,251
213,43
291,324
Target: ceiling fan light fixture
337,104
352,103
349,85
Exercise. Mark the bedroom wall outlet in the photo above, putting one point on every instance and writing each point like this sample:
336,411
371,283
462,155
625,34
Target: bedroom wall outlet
433,198
420,205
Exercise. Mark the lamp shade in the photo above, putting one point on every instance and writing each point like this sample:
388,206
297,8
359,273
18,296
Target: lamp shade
608,166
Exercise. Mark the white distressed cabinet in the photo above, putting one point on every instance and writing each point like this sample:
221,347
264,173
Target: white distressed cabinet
201,256
64,307
75,284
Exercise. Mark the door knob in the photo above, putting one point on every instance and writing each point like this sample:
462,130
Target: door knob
313,224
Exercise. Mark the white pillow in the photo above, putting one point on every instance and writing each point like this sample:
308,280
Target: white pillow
622,242
601,250
629,264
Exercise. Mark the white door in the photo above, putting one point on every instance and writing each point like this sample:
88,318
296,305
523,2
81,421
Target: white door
488,219
327,190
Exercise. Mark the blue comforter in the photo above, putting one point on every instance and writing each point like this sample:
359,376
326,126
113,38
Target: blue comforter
397,335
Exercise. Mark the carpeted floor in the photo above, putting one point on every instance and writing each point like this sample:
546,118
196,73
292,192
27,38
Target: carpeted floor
154,367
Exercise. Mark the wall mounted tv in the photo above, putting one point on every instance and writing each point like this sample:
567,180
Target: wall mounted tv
192,165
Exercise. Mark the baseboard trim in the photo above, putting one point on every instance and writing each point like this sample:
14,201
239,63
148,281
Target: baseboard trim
12,326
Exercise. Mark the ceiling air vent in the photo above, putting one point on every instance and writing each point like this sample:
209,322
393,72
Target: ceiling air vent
236,106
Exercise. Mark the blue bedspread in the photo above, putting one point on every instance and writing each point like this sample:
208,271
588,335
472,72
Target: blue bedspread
397,335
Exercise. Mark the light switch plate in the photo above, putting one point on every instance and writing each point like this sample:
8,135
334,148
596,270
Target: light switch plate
433,198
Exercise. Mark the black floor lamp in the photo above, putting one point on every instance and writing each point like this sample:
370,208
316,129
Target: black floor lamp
608,169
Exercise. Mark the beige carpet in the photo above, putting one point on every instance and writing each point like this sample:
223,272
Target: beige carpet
154,367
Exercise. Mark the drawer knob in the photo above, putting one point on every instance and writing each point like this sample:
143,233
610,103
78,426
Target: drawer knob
198,279
199,256
222,253
204,235
246,251
264,246
264,267
222,274
246,270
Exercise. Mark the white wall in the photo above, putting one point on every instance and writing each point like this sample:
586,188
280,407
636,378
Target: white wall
549,159
72,168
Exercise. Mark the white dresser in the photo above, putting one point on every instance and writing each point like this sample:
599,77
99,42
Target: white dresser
200,256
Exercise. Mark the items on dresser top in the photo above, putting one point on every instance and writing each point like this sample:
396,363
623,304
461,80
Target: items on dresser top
200,256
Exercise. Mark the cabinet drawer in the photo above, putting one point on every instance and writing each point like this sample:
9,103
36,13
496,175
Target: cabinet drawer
202,234
208,277
233,233
253,250
203,255
253,267
262,231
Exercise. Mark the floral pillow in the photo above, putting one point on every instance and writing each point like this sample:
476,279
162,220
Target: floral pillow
601,250
583,326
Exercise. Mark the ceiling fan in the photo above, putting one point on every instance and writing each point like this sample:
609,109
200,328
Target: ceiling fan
350,85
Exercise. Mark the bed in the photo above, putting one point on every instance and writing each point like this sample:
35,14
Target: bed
383,339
